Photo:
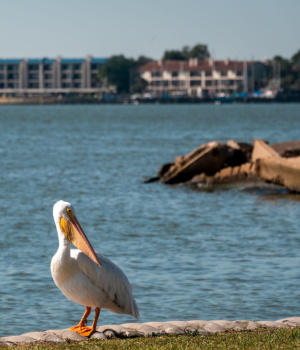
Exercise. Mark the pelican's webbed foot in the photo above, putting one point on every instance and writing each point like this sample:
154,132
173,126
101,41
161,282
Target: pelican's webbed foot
82,330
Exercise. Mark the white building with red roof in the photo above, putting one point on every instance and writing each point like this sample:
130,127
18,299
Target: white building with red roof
202,78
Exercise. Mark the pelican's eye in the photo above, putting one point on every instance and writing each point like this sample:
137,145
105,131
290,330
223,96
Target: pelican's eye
70,213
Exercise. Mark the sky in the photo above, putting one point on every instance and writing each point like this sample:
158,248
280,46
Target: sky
235,29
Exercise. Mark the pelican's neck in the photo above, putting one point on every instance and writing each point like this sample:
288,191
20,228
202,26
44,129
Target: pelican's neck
64,244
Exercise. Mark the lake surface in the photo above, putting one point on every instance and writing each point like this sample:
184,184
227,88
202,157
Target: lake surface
232,253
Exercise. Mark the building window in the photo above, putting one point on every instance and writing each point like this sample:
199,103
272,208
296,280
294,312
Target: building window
77,76
77,85
156,74
48,85
12,85
1,86
13,76
166,83
33,85
196,83
65,66
33,67
1,66
208,73
239,73
47,66
174,74
65,85
12,67
223,73
95,66
1,76
33,76
175,83
156,83
208,83
77,66
48,76
195,73
67,76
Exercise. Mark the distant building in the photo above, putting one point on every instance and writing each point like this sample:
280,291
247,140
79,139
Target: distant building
202,78
47,75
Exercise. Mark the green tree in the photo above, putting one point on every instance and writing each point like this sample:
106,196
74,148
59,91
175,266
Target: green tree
186,51
295,60
122,72
283,65
199,51
116,70
138,85
289,70
142,60
174,55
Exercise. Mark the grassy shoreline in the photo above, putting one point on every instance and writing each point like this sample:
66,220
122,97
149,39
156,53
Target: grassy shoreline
259,339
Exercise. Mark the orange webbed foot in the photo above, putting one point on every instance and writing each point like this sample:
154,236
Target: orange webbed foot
82,330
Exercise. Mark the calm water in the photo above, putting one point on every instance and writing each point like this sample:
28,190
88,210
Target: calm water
228,254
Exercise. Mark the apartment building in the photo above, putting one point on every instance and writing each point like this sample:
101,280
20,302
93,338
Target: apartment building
202,78
47,75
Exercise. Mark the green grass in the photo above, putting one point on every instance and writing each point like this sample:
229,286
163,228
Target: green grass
259,339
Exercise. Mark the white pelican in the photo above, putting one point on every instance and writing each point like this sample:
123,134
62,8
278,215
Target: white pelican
86,277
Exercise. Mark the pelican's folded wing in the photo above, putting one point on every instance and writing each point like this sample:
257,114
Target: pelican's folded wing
111,279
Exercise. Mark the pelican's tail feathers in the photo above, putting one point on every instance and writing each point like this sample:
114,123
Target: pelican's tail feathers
135,310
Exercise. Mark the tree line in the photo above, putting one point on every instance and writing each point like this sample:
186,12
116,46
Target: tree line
121,71
289,70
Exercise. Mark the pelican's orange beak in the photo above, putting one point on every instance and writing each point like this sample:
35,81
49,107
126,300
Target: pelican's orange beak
74,232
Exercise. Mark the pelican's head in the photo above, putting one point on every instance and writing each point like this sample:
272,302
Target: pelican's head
68,225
